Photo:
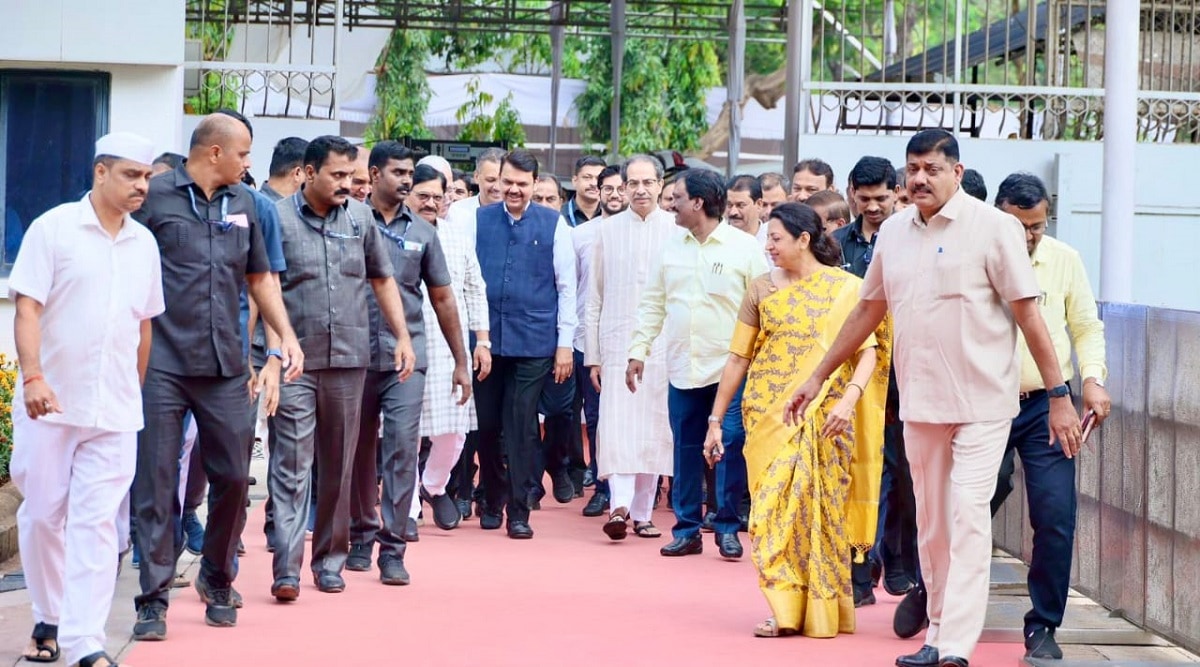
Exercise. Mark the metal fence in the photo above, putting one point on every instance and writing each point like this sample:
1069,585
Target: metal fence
1137,545
1030,69
262,57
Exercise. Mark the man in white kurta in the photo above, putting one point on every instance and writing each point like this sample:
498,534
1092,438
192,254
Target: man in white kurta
86,283
634,436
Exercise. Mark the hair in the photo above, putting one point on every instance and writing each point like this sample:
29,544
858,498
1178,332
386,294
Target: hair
588,161
288,154
901,177
816,167
608,172
771,180
642,158
493,155
798,219
551,178
457,174
972,183
427,172
709,187
933,140
870,171
319,150
1023,190
172,160
522,160
472,186
835,205
239,118
386,151
745,183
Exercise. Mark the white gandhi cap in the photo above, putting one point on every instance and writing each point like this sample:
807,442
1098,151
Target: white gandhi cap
438,162
126,145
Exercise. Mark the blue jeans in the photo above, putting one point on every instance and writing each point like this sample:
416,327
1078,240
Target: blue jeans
731,471
688,411
1050,491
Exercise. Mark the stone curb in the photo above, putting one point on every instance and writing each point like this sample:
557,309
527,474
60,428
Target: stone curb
10,500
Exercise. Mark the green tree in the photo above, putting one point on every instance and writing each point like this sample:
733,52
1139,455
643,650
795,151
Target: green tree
401,88
503,124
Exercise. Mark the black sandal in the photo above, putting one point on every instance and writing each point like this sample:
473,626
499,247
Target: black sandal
91,660
43,632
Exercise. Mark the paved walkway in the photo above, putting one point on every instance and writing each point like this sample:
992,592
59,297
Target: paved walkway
569,596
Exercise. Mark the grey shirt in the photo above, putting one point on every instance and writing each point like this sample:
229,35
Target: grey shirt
325,287
417,256
207,248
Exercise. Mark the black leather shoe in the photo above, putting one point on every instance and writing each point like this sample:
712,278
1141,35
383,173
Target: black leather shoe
597,506
900,585
706,524
392,572
563,489
1040,643
863,598
912,614
410,531
286,589
489,521
464,508
519,530
589,478
926,657
359,559
683,546
329,582
953,661
729,545
445,513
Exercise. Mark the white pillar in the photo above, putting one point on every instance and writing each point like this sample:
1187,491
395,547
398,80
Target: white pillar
736,83
1121,62
792,113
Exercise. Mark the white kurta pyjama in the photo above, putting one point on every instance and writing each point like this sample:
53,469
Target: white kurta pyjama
440,412
634,434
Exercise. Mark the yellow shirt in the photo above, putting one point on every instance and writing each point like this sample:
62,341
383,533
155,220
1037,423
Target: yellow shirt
1068,307
692,298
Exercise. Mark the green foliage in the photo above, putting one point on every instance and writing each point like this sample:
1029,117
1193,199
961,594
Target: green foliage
504,124
401,88
215,93
8,380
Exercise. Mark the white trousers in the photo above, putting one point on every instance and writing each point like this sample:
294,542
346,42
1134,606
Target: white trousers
634,492
74,480
954,468
443,454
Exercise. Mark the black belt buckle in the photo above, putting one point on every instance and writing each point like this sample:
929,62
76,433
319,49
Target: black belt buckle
1027,395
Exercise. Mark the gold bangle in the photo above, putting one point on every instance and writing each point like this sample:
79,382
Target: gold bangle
861,391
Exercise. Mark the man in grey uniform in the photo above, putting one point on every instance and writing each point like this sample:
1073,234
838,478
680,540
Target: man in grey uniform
333,252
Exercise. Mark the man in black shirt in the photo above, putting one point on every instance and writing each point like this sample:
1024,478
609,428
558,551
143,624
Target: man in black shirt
210,242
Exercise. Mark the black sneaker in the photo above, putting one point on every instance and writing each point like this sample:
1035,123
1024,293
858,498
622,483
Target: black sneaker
359,559
151,625
392,572
219,611
1040,643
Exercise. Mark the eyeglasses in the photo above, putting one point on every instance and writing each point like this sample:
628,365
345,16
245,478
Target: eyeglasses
426,196
611,189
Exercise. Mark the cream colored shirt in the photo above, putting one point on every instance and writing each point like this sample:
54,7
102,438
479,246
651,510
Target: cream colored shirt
692,298
948,284
1069,308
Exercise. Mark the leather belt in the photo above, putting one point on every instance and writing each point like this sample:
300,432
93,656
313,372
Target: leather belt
1027,395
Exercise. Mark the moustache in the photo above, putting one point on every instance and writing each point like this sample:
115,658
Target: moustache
342,192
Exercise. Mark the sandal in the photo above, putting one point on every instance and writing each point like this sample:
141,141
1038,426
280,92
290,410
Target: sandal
91,660
769,628
646,529
616,526
42,633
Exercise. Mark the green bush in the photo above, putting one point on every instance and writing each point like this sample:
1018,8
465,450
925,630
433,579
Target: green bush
8,379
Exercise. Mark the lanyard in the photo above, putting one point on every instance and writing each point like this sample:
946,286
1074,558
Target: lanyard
398,238
322,230
224,224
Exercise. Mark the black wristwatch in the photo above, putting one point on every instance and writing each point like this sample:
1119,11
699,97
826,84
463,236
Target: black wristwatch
1060,391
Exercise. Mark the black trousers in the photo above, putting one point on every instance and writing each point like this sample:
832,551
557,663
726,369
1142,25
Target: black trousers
507,403
224,427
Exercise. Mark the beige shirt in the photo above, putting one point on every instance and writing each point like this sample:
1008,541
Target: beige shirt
693,297
948,284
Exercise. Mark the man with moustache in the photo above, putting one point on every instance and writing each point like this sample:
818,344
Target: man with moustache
528,263
635,434
334,253
360,183
77,408
585,205
211,244
612,192
417,258
548,191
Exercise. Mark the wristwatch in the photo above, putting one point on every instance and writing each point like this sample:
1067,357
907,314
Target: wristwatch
1060,391
275,352
486,344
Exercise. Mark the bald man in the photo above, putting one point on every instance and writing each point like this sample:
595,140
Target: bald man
360,182
210,242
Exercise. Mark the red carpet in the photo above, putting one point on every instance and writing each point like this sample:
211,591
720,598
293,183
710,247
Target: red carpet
567,597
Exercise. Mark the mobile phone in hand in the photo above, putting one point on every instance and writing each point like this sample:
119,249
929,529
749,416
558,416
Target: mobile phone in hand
1089,420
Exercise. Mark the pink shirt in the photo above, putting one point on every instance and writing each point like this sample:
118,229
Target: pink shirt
948,284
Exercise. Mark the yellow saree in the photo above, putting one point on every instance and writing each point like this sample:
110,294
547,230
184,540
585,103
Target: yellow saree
813,498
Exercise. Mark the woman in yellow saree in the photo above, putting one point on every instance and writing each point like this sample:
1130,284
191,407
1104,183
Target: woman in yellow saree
814,486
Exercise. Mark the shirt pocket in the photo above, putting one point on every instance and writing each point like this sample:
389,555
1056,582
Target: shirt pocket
304,257
184,241
948,280
353,261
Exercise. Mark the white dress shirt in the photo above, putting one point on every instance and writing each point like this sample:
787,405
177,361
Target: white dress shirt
96,290
584,238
